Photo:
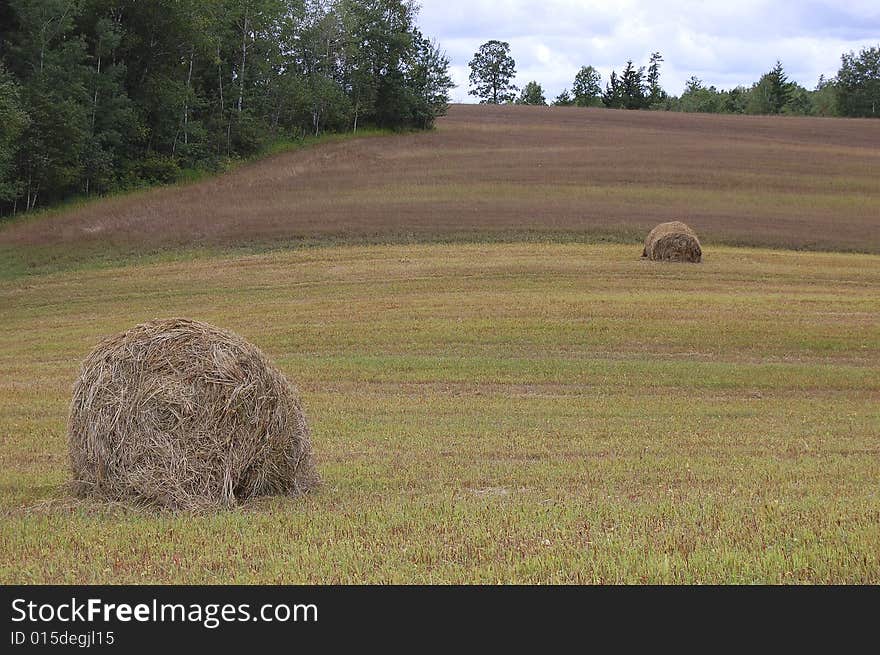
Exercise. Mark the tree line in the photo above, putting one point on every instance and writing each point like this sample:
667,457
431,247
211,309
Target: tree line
854,91
100,95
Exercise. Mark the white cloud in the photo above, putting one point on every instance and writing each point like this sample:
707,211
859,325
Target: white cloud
723,43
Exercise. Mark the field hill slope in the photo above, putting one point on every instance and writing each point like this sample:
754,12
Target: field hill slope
508,172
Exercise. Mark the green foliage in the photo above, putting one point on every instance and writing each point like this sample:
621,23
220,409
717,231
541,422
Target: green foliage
799,103
613,95
14,121
378,36
428,76
858,84
771,93
587,87
825,97
735,100
156,168
49,61
492,69
699,98
632,87
100,95
655,93
532,94
564,99
854,92
632,90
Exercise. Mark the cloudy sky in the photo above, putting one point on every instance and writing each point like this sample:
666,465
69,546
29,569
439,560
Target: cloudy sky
724,43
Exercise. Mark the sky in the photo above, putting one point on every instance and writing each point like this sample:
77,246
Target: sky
724,43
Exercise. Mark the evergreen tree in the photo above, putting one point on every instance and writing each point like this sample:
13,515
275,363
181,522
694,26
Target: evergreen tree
612,97
771,93
632,87
655,92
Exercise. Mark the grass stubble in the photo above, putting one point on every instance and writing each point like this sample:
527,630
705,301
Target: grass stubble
538,413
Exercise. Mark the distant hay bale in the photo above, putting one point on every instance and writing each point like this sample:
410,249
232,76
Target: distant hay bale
674,242
182,414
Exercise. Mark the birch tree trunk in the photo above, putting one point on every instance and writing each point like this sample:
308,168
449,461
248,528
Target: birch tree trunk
186,99
244,32
94,113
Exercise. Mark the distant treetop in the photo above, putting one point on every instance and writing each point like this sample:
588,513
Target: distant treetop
492,69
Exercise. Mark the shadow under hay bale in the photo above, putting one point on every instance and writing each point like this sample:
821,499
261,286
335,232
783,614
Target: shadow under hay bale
182,414
673,242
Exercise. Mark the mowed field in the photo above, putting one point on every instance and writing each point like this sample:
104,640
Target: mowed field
487,413
499,389
506,174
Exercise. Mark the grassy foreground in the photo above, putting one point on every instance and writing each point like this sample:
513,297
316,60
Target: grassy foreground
487,413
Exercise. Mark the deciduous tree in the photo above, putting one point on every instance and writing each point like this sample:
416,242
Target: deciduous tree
492,69
858,84
532,94
564,99
587,89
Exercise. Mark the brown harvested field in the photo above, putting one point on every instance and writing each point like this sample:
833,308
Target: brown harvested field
513,172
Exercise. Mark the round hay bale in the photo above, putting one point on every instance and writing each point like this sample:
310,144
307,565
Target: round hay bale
673,242
182,414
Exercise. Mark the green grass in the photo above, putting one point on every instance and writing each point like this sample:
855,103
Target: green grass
30,260
526,412
751,198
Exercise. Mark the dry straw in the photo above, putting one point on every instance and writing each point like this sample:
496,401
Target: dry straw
673,241
181,414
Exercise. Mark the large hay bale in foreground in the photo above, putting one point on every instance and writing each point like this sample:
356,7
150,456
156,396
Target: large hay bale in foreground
182,414
674,242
